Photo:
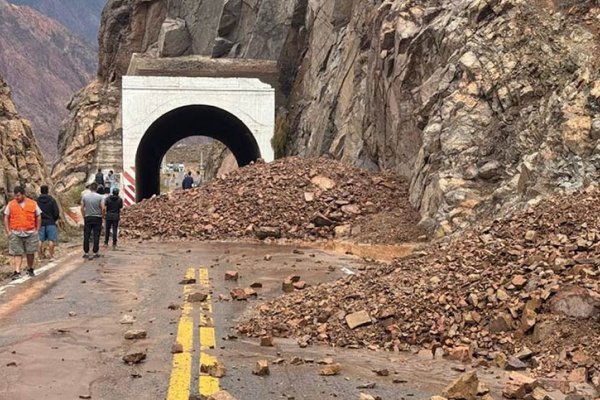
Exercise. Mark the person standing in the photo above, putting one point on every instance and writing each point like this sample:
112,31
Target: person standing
113,205
50,214
188,181
111,181
99,178
92,209
22,222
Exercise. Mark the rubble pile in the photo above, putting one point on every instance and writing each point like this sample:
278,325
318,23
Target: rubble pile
521,292
292,198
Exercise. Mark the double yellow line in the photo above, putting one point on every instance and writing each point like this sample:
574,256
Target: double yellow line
181,372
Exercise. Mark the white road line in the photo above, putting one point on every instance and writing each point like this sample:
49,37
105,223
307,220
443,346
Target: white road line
24,279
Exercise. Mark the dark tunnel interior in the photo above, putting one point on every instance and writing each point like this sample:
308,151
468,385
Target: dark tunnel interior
195,120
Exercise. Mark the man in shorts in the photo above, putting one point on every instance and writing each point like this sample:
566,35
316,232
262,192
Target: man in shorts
22,222
50,215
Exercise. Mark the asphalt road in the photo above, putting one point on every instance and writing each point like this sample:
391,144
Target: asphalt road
60,335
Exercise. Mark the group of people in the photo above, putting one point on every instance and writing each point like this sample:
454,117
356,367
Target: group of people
100,203
31,226
189,182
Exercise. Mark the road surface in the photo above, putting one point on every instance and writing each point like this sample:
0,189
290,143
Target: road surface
61,336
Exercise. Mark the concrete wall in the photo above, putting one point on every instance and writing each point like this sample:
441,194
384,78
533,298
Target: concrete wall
147,98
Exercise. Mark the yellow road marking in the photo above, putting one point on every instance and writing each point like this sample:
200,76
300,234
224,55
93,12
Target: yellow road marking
208,385
181,373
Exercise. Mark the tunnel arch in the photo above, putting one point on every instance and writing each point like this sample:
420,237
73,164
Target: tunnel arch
183,122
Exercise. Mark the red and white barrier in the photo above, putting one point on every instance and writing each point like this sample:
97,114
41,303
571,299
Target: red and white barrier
129,186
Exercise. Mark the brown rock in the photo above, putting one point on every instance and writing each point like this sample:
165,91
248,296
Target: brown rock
518,386
287,286
238,294
519,281
134,358
331,370
300,285
463,388
232,276
261,368
461,353
135,334
197,297
502,323
177,348
221,395
266,341
576,302
579,375
216,369
358,319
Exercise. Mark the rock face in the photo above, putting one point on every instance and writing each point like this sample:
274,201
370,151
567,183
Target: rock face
265,30
44,64
452,97
21,161
447,95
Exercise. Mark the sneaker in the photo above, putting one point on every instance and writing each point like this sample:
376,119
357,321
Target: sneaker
96,255
30,272
85,255
16,275
114,247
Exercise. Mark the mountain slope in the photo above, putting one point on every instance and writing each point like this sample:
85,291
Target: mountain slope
82,17
45,64
21,161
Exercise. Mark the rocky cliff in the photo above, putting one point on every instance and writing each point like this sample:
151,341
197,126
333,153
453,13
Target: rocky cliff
21,161
481,104
45,64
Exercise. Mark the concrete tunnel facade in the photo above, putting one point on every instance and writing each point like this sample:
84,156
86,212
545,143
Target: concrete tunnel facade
159,111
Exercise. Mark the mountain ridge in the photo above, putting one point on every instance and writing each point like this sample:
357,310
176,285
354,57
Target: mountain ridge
45,64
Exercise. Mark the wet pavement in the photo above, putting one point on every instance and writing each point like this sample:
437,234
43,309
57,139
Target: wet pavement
60,336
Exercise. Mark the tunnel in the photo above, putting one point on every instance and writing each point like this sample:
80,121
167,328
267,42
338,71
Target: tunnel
180,123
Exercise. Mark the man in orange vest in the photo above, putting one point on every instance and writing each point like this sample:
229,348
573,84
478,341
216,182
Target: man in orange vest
22,222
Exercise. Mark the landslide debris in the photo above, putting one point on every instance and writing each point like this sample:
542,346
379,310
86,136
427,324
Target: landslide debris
292,198
521,292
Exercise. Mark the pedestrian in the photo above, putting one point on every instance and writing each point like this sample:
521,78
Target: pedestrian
92,209
188,181
111,180
113,205
86,190
50,214
99,178
22,222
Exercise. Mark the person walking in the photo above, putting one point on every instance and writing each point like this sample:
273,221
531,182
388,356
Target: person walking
92,209
22,222
113,205
188,181
99,178
50,214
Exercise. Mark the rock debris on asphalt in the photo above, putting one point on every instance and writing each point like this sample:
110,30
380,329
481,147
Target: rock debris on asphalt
495,295
292,198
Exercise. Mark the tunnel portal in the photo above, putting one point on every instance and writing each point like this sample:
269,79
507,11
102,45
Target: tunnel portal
159,111
195,120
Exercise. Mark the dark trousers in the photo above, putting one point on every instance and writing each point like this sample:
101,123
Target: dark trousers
114,225
92,226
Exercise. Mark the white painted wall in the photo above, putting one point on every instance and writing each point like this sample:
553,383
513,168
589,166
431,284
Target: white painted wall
147,98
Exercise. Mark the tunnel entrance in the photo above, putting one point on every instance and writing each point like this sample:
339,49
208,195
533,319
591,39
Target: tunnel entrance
183,122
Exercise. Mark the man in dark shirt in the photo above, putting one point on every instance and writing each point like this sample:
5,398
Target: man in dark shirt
50,214
113,205
188,181
99,178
